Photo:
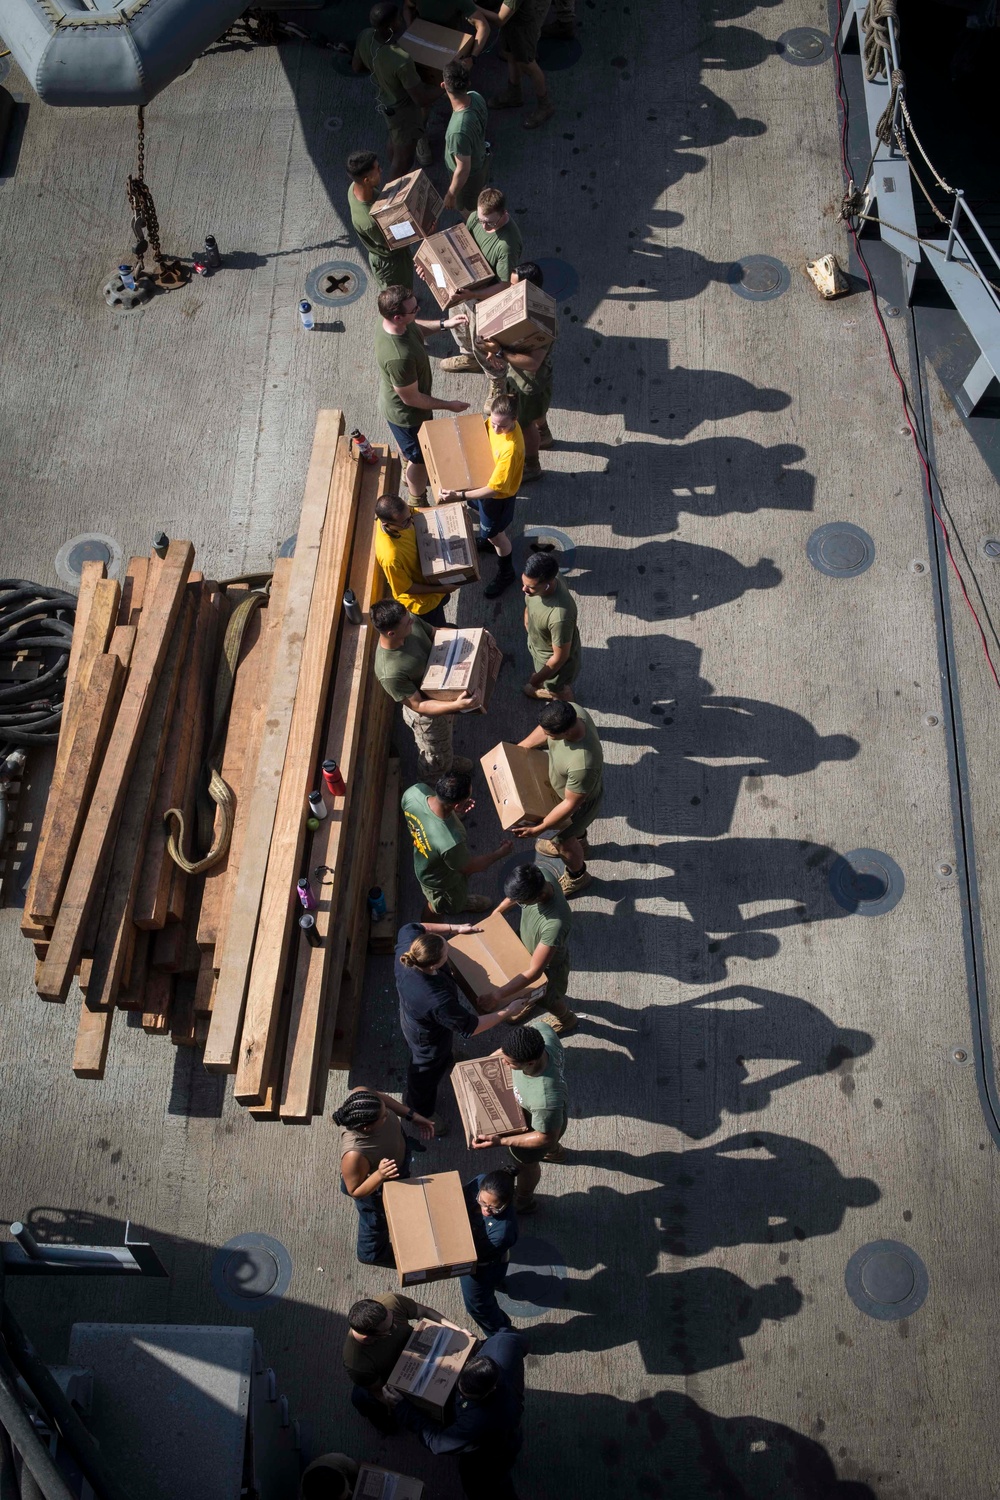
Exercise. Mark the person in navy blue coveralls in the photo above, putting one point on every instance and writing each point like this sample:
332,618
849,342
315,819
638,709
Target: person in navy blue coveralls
484,1425
489,1198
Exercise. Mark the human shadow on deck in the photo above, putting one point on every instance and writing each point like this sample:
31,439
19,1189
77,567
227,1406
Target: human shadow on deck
687,579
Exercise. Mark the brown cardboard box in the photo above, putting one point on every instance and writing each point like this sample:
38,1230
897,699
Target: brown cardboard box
386,1484
464,660
453,263
407,210
429,1227
487,959
522,316
428,1369
432,46
446,545
456,451
519,784
484,1092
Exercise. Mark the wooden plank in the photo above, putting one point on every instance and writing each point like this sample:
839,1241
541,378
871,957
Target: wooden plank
93,1035
152,642
234,758
265,672
167,951
133,990
133,590
227,1017
382,935
100,704
182,1014
299,776
156,1006
205,992
122,643
95,619
317,970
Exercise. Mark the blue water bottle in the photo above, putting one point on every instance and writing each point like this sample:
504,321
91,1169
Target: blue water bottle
376,904
128,280
306,314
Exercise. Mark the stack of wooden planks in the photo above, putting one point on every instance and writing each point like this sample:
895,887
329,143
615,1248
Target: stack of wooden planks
218,958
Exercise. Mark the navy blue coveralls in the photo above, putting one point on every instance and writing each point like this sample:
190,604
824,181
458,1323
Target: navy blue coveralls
495,1236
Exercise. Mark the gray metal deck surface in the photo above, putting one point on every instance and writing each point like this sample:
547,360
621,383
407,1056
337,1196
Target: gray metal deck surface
764,1081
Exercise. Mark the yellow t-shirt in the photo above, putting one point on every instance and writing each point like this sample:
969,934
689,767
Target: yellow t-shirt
508,460
397,557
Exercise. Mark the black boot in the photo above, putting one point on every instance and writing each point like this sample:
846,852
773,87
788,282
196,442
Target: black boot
505,577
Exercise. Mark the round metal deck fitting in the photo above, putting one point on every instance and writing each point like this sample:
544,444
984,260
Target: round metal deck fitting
550,538
960,1056
333,123
251,1270
92,546
918,566
866,882
840,549
886,1280
559,279
990,547
759,278
804,46
536,1280
336,283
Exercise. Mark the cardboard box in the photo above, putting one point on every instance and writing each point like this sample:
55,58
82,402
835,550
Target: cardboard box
427,1371
433,46
386,1484
407,210
429,1227
463,660
453,263
456,452
522,316
446,545
486,960
519,784
484,1093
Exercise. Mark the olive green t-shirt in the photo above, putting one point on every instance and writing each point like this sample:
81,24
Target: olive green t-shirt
552,622
440,851
389,267
577,766
501,247
466,133
544,1096
534,382
393,70
402,360
401,671
373,1362
548,922
443,12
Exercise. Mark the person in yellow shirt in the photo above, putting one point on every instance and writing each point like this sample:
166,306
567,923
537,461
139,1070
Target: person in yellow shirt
396,552
496,498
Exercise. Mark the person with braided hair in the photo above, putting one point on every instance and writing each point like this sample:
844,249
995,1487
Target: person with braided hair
373,1149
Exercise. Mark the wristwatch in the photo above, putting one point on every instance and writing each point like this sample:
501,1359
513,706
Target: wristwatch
409,1113
442,320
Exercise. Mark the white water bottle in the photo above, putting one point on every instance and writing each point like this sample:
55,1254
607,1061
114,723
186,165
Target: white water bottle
306,314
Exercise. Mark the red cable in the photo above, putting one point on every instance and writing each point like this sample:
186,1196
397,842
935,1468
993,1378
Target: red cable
907,404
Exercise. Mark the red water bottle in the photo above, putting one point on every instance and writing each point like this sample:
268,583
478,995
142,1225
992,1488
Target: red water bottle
365,450
333,780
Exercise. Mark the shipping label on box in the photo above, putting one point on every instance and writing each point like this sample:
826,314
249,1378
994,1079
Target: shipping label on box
427,1371
522,317
456,452
487,959
432,46
446,546
385,1484
463,660
407,210
519,784
429,1227
487,1104
453,262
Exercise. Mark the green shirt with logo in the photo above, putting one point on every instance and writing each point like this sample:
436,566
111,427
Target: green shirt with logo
439,849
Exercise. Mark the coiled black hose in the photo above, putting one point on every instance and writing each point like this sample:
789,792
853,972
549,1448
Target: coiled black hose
41,619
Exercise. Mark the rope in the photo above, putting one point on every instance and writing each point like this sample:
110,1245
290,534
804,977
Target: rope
877,44
219,795
40,619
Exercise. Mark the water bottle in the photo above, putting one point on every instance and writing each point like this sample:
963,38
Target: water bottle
307,926
306,314
352,609
317,806
365,450
128,278
333,780
376,904
212,255
305,894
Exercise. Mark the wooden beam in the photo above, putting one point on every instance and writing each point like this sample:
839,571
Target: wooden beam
158,620
186,891
382,935
316,982
227,1016
133,990
156,1007
300,774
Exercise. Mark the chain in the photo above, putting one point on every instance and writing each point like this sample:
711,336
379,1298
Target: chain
145,223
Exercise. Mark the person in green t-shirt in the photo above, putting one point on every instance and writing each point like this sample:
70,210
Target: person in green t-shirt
404,644
378,1330
457,14
546,923
388,267
535,1056
400,97
466,151
553,635
405,371
441,859
499,240
529,372
520,27
576,775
